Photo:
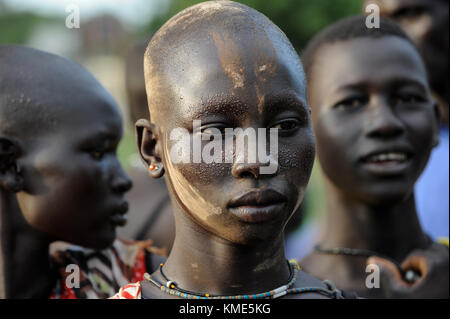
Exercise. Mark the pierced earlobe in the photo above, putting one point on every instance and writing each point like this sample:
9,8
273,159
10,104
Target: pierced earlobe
156,170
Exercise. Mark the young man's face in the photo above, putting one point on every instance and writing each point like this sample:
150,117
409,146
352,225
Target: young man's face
239,82
373,117
74,183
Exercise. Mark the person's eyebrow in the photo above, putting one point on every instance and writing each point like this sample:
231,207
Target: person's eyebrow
217,106
394,82
100,136
284,101
402,82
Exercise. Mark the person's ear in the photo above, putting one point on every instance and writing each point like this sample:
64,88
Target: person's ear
10,175
148,143
437,121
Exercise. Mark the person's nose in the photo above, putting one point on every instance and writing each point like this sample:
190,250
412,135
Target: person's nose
121,182
252,164
382,121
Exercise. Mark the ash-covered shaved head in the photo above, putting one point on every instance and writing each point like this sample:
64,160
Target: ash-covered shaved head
39,90
225,65
187,50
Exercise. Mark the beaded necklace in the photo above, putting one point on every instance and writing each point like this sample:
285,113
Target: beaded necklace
171,288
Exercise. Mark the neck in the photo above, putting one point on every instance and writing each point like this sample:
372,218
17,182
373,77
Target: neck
203,263
25,267
391,230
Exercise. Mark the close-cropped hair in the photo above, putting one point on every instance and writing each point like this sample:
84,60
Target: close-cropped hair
348,29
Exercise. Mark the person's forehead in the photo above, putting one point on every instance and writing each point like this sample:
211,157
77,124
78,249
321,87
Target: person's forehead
91,111
369,60
74,108
234,68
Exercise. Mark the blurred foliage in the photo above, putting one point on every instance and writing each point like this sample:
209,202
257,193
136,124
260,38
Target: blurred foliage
299,19
16,27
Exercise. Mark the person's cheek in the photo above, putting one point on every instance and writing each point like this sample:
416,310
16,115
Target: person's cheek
296,157
49,211
335,142
420,131
202,173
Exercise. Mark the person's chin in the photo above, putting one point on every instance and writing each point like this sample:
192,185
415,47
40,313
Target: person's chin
102,239
103,243
387,195
254,234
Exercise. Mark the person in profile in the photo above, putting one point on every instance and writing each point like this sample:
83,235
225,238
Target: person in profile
60,178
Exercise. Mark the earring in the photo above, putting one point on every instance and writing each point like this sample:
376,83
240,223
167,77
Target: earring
156,171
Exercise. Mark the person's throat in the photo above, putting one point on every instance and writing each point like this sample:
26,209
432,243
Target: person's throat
202,263
392,231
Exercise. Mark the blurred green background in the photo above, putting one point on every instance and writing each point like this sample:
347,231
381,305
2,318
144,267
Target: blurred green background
299,19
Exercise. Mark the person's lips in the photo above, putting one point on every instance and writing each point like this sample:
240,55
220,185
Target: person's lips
118,217
388,161
257,206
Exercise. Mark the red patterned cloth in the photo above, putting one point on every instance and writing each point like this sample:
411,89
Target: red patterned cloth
99,273
131,291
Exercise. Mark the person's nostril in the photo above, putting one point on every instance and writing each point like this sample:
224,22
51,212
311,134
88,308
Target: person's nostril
128,186
246,171
123,186
246,174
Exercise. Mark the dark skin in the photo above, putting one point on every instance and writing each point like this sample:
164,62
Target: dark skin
366,104
427,23
162,230
60,176
238,83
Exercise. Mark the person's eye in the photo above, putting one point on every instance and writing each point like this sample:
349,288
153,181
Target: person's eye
408,13
288,125
351,103
97,154
409,99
